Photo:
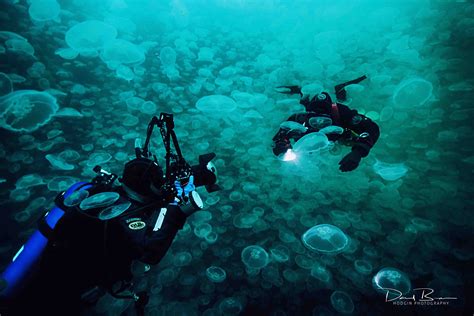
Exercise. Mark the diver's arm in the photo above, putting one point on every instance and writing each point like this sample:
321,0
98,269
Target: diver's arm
367,129
281,140
168,221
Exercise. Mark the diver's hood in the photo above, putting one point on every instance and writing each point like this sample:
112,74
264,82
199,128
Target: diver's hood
320,103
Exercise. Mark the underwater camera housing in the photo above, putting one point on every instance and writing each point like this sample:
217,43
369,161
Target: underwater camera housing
177,168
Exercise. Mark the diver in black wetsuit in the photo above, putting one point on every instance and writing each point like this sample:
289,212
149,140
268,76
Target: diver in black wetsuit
360,132
90,249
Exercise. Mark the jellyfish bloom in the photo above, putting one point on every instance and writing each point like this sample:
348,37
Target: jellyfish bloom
113,210
99,200
342,302
254,257
412,93
311,143
325,238
216,274
76,198
216,104
391,278
390,172
26,110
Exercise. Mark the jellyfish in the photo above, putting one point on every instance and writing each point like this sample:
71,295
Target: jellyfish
321,273
5,84
320,122
412,93
230,306
202,230
44,10
254,257
206,54
28,181
90,36
293,127
312,89
311,143
216,274
66,53
280,253
167,56
76,198
325,238
114,211
216,104
58,163
99,200
342,302
148,107
363,266
61,183
182,259
26,110
390,172
332,129
119,51
98,158
391,278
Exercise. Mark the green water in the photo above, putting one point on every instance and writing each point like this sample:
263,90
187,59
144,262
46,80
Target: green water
106,67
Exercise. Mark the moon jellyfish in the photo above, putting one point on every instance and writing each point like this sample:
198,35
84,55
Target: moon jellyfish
216,104
5,84
363,266
216,274
254,257
114,211
390,172
44,10
280,253
332,129
342,302
321,273
76,197
293,127
26,110
89,36
325,238
61,183
202,230
320,122
28,181
391,278
182,259
412,92
167,56
313,142
312,89
99,200
98,158
230,306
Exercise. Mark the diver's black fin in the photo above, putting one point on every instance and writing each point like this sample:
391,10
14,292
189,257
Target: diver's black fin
341,92
289,90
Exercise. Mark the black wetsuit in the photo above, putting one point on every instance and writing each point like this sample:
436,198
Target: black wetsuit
86,252
359,131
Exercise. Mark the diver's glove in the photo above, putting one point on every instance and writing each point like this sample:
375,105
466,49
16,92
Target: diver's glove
187,198
350,161
281,147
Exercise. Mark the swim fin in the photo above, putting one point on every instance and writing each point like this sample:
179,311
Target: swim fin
341,92
289,90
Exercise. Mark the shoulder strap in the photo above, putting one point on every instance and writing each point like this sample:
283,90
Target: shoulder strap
335,114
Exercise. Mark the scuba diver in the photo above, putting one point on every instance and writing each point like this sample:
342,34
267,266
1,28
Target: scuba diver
357,130
85,246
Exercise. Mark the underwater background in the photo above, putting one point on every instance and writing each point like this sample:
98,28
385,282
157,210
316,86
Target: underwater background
80,80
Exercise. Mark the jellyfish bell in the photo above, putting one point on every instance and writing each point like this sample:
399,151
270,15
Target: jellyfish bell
325,238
